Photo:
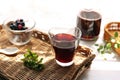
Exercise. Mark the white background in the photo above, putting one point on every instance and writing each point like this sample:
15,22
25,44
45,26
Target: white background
54,13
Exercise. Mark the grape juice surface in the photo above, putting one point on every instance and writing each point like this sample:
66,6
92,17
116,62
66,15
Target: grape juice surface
64,46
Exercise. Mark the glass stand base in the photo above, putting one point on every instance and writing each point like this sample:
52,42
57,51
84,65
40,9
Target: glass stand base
64,64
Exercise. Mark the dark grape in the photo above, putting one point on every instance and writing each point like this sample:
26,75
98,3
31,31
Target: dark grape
21,20
20,27
22,23
19,24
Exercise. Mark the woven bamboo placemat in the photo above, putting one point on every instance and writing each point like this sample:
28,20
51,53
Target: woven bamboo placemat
12,68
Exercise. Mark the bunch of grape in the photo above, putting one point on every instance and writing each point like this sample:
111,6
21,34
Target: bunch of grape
18,25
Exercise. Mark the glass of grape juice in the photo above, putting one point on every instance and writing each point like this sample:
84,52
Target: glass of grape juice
64,42
89,22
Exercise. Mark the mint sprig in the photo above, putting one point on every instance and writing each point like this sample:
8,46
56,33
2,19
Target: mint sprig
32,61
104,48
116,34
107,47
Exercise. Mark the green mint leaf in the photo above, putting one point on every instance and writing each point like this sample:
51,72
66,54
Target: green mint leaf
118,45
40,61
108,46
31,60
96,44
102,52
116,34
100,48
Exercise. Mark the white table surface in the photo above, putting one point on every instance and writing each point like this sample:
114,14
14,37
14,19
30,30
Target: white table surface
53,13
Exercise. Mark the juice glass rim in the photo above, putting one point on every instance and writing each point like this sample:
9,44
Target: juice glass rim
64,28
89,10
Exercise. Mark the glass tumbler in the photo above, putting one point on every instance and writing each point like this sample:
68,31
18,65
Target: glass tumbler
89,22
64,42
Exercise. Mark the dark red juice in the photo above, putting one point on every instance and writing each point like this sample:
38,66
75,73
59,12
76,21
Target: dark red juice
89,23
64,46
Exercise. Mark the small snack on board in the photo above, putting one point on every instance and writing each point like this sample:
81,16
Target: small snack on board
111,34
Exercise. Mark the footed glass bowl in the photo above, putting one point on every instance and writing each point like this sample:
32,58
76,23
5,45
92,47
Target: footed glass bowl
19,29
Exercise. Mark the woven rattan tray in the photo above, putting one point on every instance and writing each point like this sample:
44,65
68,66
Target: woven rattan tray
12,68
109,31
